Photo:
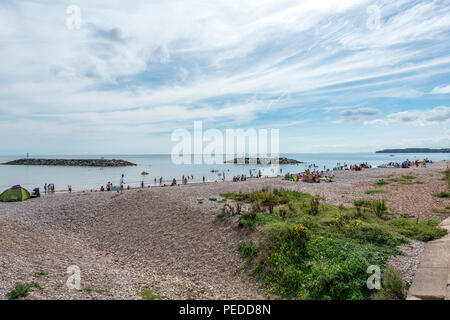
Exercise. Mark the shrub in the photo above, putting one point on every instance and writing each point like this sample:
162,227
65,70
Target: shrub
379,207
362,203
256,207
392,280
394,287
420,230
283,212
314,204
248,219
299,232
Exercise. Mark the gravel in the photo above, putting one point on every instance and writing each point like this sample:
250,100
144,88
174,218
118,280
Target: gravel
166,238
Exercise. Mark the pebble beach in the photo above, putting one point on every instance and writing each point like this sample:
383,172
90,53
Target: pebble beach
170,238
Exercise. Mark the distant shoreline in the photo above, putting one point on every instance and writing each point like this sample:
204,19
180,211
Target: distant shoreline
415,150
70,162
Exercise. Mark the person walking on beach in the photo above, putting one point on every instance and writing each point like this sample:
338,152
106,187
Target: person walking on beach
160,181
45,188
121,183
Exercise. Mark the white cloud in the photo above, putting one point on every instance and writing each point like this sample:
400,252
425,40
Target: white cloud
441,89
435,116
150,66
354,115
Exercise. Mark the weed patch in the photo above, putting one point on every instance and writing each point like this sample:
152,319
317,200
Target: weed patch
419,230
21,290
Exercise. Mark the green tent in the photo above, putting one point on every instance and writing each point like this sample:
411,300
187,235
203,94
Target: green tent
14,194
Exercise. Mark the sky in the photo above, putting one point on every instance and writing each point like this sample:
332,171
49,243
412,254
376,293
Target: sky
118,77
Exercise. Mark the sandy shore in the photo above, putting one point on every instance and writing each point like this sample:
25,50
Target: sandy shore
165,237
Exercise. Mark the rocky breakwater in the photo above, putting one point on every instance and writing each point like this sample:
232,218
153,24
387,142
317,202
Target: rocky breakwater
263,161
71,162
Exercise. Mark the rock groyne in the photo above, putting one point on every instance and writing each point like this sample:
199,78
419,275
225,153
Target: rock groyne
71,162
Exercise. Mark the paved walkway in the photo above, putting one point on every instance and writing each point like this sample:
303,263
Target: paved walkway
432,279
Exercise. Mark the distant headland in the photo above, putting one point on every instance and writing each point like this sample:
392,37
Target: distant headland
263,161
415,150
71,162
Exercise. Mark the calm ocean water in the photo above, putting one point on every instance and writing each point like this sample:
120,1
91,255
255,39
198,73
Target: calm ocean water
84,178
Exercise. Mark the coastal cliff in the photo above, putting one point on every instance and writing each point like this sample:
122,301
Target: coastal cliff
415,150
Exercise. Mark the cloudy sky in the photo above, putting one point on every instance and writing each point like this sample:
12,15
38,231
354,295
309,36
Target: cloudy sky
331,75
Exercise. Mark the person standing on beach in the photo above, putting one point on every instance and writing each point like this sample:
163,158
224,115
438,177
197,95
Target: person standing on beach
160,181
45,188
69,187
204,179
121,183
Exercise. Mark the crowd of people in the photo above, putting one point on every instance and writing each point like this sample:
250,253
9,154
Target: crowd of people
326,175
407,164
315,176
49,188
355,167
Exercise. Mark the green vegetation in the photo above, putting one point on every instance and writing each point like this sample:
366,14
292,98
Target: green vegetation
381,182
41,274
22,290
248,250
148,293
375,191
379,208
419,230
212,199
90,290
363,203
394,288
307,249
405,179
447,177
443,194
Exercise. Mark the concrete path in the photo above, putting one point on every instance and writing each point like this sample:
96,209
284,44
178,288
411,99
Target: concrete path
432,279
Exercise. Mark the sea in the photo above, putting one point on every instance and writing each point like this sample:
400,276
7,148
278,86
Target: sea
159,165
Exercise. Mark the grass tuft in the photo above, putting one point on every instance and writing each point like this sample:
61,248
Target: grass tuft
375,191
21,290
149,293
419,230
